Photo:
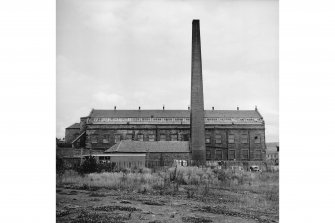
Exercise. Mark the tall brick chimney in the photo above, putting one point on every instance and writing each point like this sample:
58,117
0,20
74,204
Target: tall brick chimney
197,100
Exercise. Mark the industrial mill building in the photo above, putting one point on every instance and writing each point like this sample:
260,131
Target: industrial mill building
204,135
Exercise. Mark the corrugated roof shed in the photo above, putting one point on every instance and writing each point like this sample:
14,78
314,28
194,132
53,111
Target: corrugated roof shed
172,113
128,146
74,126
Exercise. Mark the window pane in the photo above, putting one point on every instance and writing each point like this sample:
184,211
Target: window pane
208,139
244,138
106,139
231,154
140,137
245,154
218,154
257,139
117,138
231,139
162,138
151,138
94,139
218,139
174,137
208,154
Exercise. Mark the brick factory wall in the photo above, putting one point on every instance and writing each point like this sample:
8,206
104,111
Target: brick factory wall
132,130
250,148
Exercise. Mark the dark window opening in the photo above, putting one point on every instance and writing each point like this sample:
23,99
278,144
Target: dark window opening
151,138
140,137
208,154
162,137
174,137
218,139
244,138
218,154
245,154
105,139
117,138
231,139
208,139
231,154
94,139
257,139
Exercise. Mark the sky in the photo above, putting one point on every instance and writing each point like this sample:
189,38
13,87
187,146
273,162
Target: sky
138,53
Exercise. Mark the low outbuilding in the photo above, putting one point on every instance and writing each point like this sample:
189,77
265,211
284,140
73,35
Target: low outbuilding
157,153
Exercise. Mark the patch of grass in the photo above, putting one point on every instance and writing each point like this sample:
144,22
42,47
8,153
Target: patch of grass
222,210
93,217
96,194
95,199
170,181
249,195
194,219
110,208
154,202
61,213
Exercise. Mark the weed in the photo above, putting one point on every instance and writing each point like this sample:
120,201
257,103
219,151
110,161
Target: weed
171,180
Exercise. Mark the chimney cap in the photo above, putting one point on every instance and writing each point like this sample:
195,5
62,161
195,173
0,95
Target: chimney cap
256,107
238,108
163,107
114,107
139,108
213,108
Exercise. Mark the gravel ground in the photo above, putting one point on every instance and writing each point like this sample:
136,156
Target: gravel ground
220,205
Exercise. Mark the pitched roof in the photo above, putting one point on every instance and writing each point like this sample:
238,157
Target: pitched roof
173,113
74,126
128,146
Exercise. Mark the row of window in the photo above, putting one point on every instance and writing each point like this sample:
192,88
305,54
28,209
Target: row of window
173,137
272,156
139,119
231,139
174,119
140,137
232,154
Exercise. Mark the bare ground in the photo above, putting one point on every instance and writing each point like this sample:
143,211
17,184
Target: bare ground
219,205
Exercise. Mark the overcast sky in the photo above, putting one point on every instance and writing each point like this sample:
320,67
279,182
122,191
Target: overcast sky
138,53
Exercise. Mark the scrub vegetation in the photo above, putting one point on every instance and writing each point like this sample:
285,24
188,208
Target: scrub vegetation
208,195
